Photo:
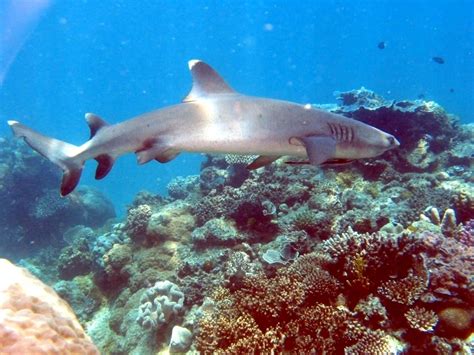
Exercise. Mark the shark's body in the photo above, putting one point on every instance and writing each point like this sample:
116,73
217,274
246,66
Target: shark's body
213,118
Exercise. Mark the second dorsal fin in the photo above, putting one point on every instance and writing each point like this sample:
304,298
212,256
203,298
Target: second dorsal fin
206,81
95,123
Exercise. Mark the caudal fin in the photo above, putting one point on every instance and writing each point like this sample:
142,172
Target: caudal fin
60,153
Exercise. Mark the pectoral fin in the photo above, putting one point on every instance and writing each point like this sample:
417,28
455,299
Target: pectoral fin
262,161
319,149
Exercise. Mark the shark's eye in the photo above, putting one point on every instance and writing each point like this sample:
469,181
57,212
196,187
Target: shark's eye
391,140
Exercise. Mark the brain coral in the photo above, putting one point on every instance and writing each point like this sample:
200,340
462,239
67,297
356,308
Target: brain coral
34,320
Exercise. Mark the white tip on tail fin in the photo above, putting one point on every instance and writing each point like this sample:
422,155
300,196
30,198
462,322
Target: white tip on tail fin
60,153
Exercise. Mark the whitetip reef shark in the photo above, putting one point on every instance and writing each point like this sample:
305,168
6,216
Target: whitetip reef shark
213,118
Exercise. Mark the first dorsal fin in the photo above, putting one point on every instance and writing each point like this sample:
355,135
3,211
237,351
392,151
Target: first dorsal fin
95,123
206,81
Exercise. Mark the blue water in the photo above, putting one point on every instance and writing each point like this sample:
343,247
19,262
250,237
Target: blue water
122,58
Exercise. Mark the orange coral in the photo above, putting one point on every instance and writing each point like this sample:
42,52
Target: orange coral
34,320
271,315
271,300
318,284
227,329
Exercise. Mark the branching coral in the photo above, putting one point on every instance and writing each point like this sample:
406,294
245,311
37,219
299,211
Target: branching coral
270,300
317,224
226,329
373,311
373,342
362,261
404,291
317,283
231,328
323,325
421,319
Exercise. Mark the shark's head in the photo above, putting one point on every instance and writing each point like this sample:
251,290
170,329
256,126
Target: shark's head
374,141
367,142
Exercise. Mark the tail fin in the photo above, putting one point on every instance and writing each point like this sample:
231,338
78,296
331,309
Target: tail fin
60,153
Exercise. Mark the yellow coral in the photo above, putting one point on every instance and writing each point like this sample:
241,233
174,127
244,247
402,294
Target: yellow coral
359,266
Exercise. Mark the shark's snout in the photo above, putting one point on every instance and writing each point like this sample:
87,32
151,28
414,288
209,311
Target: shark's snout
392,142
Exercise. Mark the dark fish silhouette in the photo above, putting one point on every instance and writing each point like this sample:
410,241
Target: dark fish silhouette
438,60
381,45
451,90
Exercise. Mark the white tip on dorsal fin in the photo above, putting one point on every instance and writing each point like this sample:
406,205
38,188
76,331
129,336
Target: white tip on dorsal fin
95,123
206,81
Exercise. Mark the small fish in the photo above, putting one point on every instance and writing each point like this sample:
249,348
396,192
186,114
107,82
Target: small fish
451,90
421,96
381,45
439,60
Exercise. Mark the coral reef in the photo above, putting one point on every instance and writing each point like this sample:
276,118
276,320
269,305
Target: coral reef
82,294
173,222
373,257
137,222
181,187
216,231
75,259
116,270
